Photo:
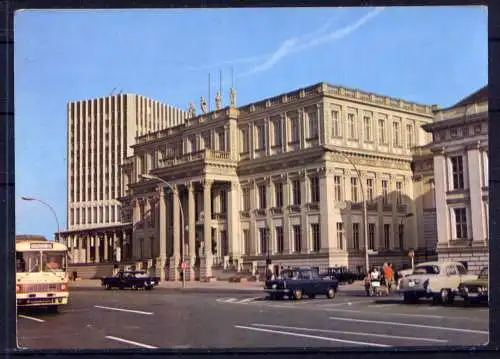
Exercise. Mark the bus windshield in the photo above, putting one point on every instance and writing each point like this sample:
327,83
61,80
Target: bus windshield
54,261
27,262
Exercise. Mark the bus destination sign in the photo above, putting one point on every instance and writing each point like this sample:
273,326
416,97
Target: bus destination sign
41,245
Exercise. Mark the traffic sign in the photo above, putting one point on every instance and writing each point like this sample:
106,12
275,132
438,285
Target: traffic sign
184,265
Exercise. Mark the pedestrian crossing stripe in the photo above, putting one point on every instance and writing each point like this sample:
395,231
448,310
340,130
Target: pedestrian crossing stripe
236,301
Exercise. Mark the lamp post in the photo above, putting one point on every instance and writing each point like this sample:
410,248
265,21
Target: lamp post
24,198
365,205
148,176
403,222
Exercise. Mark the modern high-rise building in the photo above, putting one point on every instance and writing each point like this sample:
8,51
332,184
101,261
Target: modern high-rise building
100,134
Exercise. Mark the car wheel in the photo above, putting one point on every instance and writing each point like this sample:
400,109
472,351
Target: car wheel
297,294
409,298
446,296
350,281
330,293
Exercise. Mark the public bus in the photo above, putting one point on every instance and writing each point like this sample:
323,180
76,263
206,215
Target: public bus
41,272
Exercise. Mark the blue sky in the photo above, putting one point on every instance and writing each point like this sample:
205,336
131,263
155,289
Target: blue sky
433,55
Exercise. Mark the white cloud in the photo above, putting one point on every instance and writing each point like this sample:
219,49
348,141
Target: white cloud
316,38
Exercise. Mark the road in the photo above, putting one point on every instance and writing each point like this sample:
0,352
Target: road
201,318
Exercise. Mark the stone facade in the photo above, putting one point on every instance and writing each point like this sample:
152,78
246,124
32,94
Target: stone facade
285,179
460,148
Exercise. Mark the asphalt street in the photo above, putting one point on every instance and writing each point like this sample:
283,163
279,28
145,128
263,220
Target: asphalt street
204,318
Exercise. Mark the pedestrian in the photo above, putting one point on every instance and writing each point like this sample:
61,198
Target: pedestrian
389,276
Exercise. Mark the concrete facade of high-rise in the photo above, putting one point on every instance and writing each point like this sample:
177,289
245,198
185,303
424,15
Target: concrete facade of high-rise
100,134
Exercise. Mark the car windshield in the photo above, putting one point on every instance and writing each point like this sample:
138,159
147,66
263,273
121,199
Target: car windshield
426,269
27,262
484,273
54,261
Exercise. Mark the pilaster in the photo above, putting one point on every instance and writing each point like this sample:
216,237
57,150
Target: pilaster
476,201
207,258
233,222
191,229
441,185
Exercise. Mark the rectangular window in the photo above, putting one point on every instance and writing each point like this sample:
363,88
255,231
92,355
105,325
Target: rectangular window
315,195
381,132
315,236
263,240
279,240
278,135
396,134
223,201
221,140
278,193
371,236
294,130
461,223
246,242
313,125
246,199
261,136
335,124
262,196
297,238
399,192
296,192
340,235
354,189
410,136
401,233
457,169
369,189
387,236
244,140
337,188
385,191
351,128
355,235
368,128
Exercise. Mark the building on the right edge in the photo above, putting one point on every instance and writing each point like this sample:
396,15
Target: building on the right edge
460,161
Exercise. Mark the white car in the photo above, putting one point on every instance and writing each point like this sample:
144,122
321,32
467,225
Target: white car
436,280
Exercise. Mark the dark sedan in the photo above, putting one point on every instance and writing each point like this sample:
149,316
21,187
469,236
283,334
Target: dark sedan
295,283
130,279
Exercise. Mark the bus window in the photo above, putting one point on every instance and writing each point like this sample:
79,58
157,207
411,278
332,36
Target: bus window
27,262
54,261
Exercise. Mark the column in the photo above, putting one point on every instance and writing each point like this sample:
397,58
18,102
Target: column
302,129
320,124
191,230
206,261
476,199
233,223
124,252
441,185
163,233
304,228
327,224
106,247
287,245
284,132
97,242
80,249
87,254
269,222
174,260
252,235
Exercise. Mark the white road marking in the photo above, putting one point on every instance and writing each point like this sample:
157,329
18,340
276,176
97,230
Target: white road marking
124,310
312,336
339,304
412,325
380,305
248,300
230,300
31,318
350,333
130,342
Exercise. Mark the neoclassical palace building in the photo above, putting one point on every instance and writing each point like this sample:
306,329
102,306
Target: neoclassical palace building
460,152
282,179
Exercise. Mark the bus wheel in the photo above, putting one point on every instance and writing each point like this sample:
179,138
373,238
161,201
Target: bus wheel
52,308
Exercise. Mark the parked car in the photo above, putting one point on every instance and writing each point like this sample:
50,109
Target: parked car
295,283
436,280
475,290
342,274
130,279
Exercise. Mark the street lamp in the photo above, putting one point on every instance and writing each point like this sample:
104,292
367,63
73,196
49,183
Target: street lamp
149,176
24,198
365,205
